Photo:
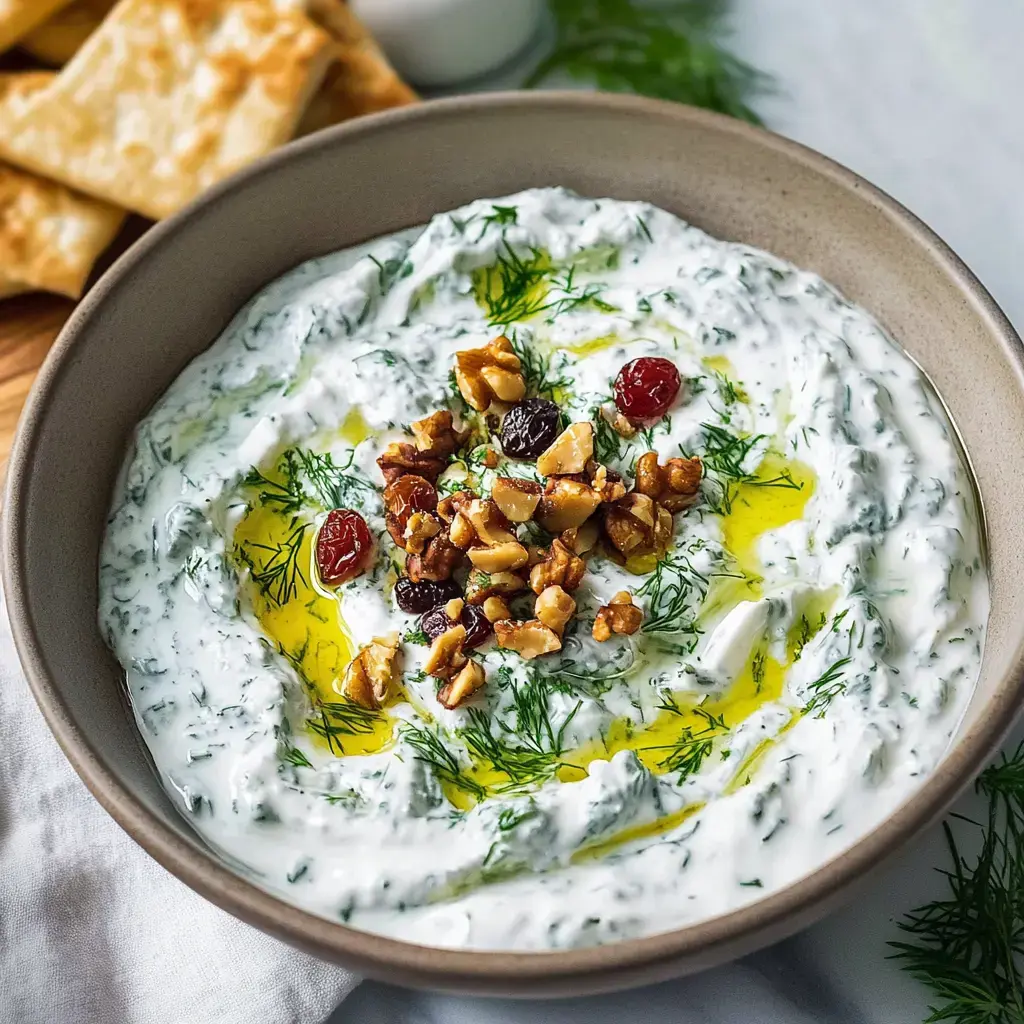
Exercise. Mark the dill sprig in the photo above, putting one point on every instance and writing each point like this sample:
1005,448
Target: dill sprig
967,948
670,51
687,754
291,754
514,287
537,370
306,477
674,591
277,577
829,685
440,760
336,719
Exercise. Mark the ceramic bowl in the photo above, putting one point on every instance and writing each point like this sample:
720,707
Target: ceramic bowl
169,297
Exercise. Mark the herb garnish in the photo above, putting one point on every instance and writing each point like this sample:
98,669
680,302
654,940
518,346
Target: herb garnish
668,51
279,575
537,370
692,747
826,688
967,948
309,477
674,591
440,760
342,718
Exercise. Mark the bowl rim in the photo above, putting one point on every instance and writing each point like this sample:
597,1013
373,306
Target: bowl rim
615,965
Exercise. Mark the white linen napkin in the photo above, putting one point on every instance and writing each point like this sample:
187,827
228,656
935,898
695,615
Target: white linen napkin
92,930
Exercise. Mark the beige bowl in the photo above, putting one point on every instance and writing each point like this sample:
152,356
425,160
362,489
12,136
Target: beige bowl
170,296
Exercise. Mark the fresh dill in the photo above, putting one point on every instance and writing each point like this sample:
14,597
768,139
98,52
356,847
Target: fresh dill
686,756
609,445
278,576
674,591
440,760
967,948
757,669
416,636
670,51
575,296
302,476
537,369
291,754
514,287
502,215
823,690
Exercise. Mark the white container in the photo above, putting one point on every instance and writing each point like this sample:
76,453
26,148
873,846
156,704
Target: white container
434,43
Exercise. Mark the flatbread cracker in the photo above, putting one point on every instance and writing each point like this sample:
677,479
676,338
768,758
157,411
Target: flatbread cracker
17,17
168,97
360,81
50,236
60,37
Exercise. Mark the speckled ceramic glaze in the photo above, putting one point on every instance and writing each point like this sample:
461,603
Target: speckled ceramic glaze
173,293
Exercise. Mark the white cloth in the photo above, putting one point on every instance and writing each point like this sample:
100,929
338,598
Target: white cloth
93,931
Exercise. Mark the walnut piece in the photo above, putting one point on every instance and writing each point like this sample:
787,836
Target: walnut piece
438,561
489,373
529,639
447,507
674,485
582,539
562,568
453,609
466,682
488,521
481,586
461,532
569,452
400,458
496,609
446,657
637,525
606,482
620,424
555,608
565,504
505,557
368,678
418,531
490,459
516,498
436,434
619,615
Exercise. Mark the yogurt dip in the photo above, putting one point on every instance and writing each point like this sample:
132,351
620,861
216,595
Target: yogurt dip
810,626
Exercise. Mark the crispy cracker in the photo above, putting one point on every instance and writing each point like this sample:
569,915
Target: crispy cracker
169,96
60,37
50,236
360,81
17,17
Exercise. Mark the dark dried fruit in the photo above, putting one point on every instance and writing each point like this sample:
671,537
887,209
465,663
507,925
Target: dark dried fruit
646,387
416,598
344,547
477,627
408,494
529,428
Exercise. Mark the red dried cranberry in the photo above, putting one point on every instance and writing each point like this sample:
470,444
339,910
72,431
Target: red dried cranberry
529,428
478,629
408,494
416,598
646,387
344,547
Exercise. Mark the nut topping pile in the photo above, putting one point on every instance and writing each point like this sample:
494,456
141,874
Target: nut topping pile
582,505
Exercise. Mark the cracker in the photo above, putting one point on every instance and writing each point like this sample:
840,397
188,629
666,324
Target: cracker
17,17
168,97
60,37
360,81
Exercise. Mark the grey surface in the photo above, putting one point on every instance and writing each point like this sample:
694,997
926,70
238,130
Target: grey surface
922,97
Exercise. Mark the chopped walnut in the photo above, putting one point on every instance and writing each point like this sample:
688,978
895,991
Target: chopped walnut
606,482
561,567
438,561
674,485
516,498
619,615
418,531
369,675
488,522
481,585
569,452
461,532
447,507
466,682
581,539
453,609
490,459
637,525
529,639
400,458
489,373
566,503
621,425
436,434
555,608
496,609
446,657
505,557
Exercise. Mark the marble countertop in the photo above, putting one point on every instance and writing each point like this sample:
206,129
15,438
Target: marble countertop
922,97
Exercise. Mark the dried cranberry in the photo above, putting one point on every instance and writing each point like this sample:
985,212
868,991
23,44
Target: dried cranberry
408,494
416,598
646,387
478,629
344,547
529,428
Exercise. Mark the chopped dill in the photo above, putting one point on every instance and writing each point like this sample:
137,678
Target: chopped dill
291,754
688,753
308,477
537,370
674,591
440,760
278,576
514,287
826,688
967,947
757,670
416,636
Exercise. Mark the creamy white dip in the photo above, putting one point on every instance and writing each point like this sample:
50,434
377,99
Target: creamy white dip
810,640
